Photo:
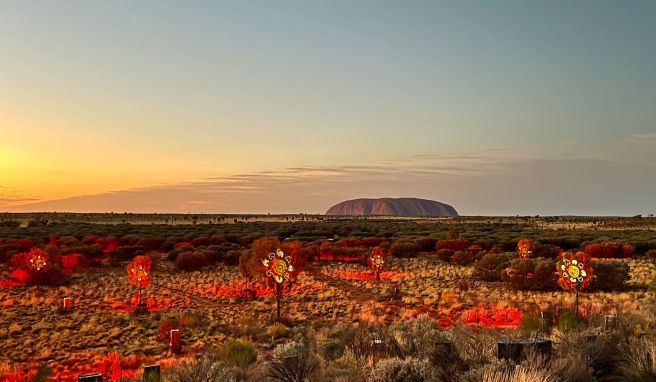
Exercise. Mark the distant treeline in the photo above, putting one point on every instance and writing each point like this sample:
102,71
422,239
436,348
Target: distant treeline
502,232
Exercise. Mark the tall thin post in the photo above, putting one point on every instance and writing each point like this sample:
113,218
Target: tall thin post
278,295
576,304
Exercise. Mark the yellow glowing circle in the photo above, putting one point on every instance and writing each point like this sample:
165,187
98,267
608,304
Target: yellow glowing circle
573,271
279,267
38,263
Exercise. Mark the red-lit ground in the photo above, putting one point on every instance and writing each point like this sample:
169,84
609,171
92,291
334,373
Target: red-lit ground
217,304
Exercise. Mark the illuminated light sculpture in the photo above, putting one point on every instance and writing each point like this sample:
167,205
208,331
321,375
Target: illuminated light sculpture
575,273
525,248
278,267
37,260
67,303
139,275
377,261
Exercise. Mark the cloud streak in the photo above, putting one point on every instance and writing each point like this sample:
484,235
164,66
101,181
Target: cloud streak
490,182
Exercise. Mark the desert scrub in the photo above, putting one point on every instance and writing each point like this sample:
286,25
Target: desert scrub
402,370
568,321
206,369
609,275
239,353
640,360
293,361
277,330
491,266
191,261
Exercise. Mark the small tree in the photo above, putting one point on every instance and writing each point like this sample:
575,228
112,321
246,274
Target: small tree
139,275
575,273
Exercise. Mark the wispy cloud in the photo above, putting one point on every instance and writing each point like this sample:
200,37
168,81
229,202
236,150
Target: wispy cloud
615,179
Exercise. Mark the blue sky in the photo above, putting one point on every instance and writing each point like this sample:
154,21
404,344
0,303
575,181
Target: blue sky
139,105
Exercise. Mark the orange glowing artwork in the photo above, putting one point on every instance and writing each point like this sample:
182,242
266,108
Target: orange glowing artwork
37,260
574,270
278,266
575,273
139,275
377,261
139,271
525,248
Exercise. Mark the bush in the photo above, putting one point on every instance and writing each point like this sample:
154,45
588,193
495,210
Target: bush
191,261
568,321
544,276
398,370
519,272
293,362
205,369
454,245
445,254
491,266
277,330
239,353
463,258
532,274
546,250
609,275
404,248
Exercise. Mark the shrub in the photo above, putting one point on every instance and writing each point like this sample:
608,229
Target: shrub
609,275
277,330
544,276
191,261
519,272
74,262
293,362
491,266
238,353
206,369
404,248
568,321
398,370
546,250
173,254
454,245
445,254
463,258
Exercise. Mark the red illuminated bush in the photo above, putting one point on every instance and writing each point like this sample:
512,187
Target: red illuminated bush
609,250
139,271
74,262
35,267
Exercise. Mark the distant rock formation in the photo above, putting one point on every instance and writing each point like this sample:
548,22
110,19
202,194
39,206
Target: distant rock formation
392,207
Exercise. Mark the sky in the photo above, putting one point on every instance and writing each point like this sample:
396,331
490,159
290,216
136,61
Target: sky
496,108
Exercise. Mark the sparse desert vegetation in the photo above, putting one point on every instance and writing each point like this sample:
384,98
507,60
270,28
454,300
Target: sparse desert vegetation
448,292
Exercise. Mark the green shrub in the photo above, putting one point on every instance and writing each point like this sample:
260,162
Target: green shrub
239,353
402,370
277,330
568,321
